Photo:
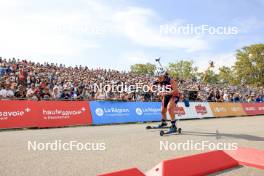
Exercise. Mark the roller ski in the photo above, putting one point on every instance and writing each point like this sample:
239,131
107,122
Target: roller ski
160,126
172,130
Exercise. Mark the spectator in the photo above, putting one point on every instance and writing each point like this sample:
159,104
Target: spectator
236,98
258,99
56,93
23,79
20,92
66,94
6,93
100,95
32,92
45,94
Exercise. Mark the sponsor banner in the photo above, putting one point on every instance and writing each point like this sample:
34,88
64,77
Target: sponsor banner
18,114
106,112
23,113
227,109
253,108
201,110
195,110
63,113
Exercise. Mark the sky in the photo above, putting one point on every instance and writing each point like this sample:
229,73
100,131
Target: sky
118,33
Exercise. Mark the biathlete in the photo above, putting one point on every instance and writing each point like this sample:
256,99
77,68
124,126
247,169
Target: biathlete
170,98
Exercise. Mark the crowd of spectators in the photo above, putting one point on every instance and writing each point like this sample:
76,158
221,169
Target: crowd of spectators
21,79
223,92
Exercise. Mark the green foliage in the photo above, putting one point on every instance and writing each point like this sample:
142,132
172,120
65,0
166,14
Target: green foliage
211,77
227,75
143,69
182,70
249,65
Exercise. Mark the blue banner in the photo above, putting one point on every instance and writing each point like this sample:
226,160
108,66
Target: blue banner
107,112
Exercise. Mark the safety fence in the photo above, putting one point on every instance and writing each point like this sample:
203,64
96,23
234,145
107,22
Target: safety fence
26,113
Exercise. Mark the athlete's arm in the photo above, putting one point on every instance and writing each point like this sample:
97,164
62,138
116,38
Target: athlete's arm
174,88
156,82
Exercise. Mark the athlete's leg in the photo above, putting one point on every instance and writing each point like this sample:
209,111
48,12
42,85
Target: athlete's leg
171,110
163,111
165,102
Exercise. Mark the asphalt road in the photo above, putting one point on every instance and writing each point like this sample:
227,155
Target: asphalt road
126,146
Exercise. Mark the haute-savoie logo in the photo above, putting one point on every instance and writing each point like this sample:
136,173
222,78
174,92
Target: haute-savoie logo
61,114
4,115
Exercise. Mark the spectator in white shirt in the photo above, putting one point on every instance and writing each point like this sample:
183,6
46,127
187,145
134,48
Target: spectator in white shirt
226,97
2,92
7,92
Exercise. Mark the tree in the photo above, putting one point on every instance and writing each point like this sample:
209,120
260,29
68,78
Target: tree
182,70
227,75
143,69
249,65
211,77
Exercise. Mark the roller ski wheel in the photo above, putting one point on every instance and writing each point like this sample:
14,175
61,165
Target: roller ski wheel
162,133
173,131
180,131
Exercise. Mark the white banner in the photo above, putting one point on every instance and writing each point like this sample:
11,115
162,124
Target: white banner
195,110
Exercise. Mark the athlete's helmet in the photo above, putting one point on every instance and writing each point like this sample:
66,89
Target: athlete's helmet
160,72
